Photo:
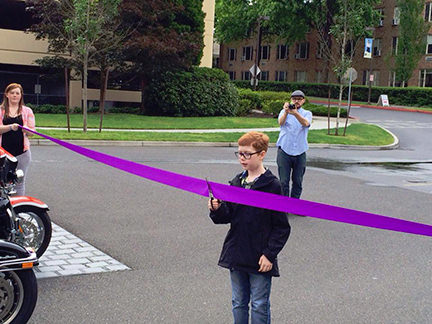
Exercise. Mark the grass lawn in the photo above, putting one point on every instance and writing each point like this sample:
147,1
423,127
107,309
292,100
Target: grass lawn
130,121
357,134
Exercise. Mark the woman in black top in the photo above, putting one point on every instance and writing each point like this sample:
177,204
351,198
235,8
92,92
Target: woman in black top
13,139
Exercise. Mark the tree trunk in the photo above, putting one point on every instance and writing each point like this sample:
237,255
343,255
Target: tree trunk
103,88
339,108
67,78
327,68
84,92
328,109
348,111
344,41
144,84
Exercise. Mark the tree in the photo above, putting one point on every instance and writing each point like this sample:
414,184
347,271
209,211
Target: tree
349,27
59,63
412,38
339,22
167,35
80,28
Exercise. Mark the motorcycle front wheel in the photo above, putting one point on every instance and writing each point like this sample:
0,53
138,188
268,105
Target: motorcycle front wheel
35,227
18,296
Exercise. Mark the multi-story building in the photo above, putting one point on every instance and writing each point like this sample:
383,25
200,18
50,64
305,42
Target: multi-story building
303,61
20,50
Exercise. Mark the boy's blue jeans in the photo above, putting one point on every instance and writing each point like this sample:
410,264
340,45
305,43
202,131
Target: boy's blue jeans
291,167
254,288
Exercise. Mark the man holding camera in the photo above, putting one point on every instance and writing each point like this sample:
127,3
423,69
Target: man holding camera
292,144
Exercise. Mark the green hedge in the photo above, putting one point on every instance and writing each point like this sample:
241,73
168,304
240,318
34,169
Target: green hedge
244,107
61,109
200,92
411,96
275,106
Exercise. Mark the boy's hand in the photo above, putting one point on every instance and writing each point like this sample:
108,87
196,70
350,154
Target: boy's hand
265,264
214,204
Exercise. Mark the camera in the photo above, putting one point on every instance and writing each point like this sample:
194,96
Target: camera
291,106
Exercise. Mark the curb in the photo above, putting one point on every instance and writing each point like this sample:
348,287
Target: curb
392,146
45,142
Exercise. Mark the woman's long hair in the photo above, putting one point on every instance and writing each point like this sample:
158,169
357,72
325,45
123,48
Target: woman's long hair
5,103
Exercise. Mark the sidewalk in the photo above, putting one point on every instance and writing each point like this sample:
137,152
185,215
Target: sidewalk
318,122
374,106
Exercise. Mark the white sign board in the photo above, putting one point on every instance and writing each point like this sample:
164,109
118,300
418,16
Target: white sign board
254,81
38,89
252,70
383,100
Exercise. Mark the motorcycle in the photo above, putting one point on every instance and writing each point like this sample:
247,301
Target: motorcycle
23,220
18,285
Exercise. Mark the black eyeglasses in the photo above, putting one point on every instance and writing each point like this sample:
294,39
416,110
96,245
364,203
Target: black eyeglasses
245,155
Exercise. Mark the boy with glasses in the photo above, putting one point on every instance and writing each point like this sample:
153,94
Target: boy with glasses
256,235
292,144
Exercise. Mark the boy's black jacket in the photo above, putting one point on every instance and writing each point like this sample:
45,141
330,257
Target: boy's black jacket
254,231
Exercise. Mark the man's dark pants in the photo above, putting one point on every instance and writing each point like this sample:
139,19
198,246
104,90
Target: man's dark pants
291,167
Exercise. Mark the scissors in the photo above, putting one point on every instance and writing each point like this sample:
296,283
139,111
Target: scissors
210,191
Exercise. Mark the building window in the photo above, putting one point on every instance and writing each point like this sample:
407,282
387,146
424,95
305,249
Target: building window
232,75
428,11
300,76
265,52
282,52
246,75
381,17
281,76
264,76
394,45
319,76
429,44
302,51
376,47
392,80
375,77
319,50
247,53
396,16
232,54
365,77
425,79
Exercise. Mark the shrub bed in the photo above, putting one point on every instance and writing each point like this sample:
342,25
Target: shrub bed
412,96
199,92
274,107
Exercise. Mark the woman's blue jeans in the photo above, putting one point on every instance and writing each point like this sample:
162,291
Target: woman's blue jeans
254,288
291,167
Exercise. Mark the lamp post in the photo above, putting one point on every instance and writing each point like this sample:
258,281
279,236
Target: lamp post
371,29
258,50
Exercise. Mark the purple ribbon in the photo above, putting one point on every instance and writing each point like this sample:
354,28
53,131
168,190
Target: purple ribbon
250,197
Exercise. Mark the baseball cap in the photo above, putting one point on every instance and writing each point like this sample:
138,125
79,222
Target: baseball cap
297,93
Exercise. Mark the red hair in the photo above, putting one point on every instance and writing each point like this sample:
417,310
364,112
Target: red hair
257,140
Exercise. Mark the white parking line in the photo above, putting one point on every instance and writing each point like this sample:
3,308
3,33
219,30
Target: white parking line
68,255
